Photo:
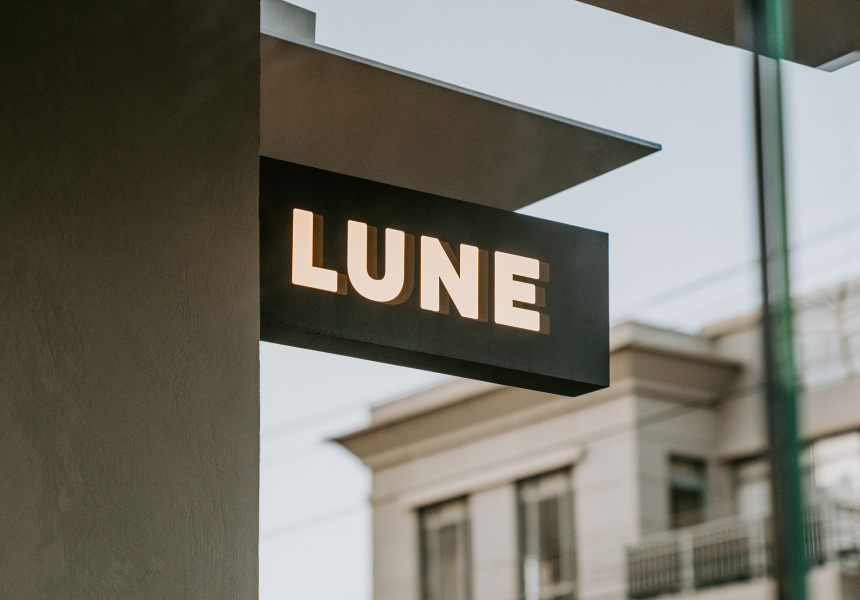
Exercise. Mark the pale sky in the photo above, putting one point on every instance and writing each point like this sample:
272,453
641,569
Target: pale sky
681,222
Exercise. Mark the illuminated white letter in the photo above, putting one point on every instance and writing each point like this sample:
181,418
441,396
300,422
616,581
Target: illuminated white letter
508,291
307,255
466,288
361,263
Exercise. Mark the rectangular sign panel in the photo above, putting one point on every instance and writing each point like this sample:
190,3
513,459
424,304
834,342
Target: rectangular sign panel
384,273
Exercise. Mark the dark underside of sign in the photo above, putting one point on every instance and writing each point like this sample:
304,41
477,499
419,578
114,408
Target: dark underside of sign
383,273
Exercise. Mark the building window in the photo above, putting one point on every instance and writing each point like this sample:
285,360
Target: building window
686,492
836,468
830,471
752,488
547,537
445,553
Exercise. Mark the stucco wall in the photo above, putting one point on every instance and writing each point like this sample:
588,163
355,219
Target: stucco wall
129,302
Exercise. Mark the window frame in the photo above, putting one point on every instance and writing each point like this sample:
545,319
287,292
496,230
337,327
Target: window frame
567,533
423,547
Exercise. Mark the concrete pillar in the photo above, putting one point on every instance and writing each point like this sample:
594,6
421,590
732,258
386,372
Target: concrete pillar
129,306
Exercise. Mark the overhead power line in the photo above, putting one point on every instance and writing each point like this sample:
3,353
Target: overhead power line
315,521
608,432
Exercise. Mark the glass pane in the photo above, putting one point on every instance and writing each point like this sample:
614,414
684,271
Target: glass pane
547,536
836,468
687,470
686,507
686,492
752,488
550,541
450,557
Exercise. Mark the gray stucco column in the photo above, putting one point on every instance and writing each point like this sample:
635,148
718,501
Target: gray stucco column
129,308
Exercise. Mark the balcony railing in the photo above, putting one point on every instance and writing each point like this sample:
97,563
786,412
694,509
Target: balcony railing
735,549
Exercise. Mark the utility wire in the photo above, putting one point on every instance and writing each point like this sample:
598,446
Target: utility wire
727,273
601,435
802,303
315,521
668,414
290,426
286,458
656,300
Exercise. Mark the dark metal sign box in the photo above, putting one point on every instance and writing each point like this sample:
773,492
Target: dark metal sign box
366,269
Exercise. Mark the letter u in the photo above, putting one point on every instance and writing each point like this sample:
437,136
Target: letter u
361,250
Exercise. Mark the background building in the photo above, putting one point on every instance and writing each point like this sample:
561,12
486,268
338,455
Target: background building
654,486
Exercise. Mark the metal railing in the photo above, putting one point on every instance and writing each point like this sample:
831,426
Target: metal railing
735,549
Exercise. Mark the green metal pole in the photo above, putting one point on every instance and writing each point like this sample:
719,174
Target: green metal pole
770,25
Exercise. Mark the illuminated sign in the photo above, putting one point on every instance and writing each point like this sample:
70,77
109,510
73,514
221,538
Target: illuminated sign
463,277
384,273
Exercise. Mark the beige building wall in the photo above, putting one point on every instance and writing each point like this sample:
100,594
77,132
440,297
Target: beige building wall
826,409
477,440
671,396
496,552
487,471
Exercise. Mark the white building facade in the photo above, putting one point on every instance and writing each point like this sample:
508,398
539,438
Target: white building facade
654,487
